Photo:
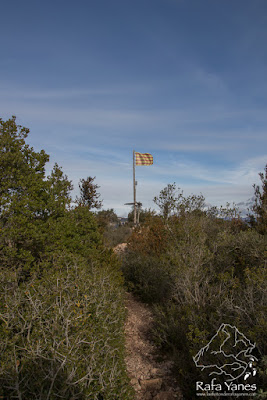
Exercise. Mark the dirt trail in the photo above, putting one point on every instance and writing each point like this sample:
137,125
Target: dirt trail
150,378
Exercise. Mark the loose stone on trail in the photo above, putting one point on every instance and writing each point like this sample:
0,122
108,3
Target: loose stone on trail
151,379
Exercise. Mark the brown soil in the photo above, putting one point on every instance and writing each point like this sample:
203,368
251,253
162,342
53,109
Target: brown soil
150,378
120,248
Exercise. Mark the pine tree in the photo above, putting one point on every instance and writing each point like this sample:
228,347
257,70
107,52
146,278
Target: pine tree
260,205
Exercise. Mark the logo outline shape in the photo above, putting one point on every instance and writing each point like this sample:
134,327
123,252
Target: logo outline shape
247,368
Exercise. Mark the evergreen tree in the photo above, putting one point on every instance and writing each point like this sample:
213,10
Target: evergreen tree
27,198
88,193
260,205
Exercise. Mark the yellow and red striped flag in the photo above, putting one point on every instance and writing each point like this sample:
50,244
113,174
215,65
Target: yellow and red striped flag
143,159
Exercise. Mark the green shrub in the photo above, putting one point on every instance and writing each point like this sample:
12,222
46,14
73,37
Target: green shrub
62,335
61,301
147,277
113,235
199,272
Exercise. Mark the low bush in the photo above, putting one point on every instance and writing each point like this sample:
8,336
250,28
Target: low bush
61,335
113,235
199,273
147,278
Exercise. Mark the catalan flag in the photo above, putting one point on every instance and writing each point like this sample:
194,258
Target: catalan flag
143,159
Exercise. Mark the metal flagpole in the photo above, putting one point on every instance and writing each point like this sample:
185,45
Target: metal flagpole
134,188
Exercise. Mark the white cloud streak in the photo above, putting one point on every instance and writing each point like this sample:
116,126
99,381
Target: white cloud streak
115,179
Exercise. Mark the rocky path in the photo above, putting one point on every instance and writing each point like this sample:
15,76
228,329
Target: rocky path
150,378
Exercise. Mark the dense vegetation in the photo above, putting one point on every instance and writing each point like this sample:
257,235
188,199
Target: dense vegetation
200,268
113,231
62,298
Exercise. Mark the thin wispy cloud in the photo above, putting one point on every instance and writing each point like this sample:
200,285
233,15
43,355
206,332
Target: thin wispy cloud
168,78
32,93
131,118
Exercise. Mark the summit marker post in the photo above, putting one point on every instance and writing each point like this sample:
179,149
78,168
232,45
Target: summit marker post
134,188
139,159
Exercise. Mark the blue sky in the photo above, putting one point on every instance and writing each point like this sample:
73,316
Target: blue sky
184,80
